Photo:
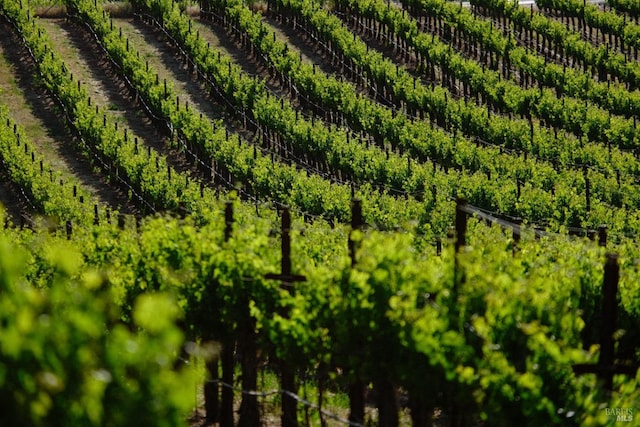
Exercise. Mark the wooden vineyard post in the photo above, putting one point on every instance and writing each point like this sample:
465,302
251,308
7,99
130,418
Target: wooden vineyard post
219,406
288,381
211,389
609,317
516,232
227,357
458,273
606,367
587,189
461,224
460,242
602,236
356,224
96,218
458,280
357,388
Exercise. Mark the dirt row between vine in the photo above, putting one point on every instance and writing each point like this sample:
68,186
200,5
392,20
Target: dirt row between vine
86,59
307,50
219,40
14,203
33,110
310,51
168,65
166,60
297,42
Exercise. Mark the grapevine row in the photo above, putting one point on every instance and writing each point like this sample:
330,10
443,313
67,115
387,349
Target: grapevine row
497,130
554,37
528,67
156,183
574,216
66,356
60,199
483,197
244,19
283,183
146,173
466,335
415,137
630,7
504,95
495,334
615,29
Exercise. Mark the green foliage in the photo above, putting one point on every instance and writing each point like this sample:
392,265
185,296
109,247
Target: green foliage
487,331
628,6
21,159
89,325
255,170
423,142
67,360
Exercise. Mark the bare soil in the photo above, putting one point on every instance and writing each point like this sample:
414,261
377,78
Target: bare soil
85,58
297,41
35,111
223,41
168,65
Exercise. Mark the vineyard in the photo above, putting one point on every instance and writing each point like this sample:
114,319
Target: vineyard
307,213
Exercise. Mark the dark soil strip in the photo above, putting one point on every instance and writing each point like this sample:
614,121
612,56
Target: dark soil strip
18,209
298,41
221,40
